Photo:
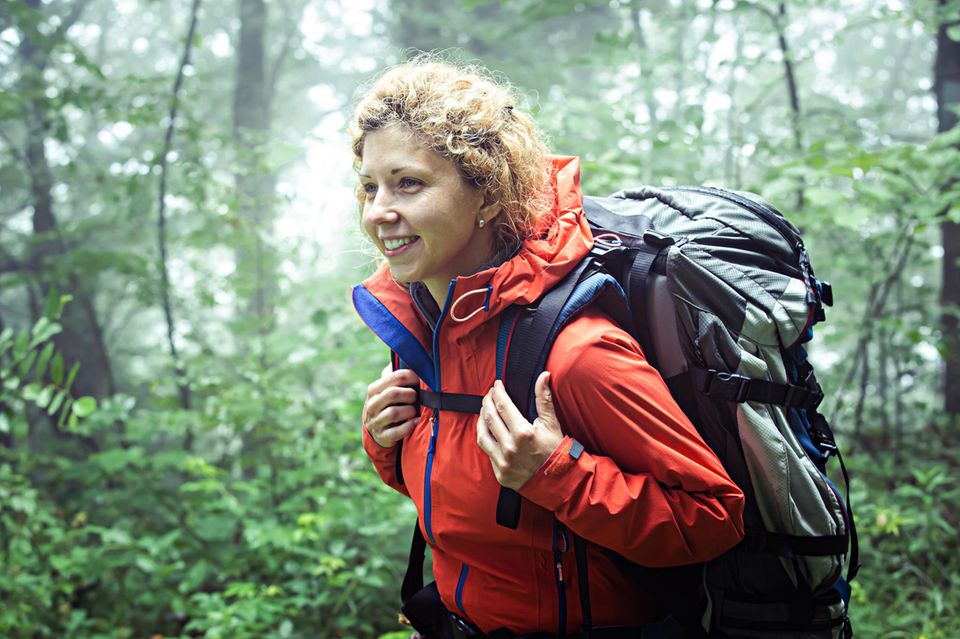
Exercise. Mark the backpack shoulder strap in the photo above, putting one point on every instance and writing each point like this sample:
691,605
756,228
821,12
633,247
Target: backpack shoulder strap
520,361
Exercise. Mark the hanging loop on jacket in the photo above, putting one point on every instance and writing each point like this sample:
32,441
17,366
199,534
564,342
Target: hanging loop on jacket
485,306
608,239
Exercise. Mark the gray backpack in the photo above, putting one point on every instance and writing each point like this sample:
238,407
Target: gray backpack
718,289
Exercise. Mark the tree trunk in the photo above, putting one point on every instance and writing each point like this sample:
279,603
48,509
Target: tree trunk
946,84
792,93
81,339
255,281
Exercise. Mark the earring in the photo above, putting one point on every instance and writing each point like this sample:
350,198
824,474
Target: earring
480,222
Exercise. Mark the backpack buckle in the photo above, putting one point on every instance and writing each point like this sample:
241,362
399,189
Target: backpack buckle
728,386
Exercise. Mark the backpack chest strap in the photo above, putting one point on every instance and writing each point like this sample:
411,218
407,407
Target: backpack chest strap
457,402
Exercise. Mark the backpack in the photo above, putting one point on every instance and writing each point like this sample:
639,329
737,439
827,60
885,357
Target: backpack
718,289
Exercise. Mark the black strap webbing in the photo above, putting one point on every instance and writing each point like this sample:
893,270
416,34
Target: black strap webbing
637,285
508,508
522,360
535,324
738,388
457,402
854,566
789,545
398,460
583,583
413,579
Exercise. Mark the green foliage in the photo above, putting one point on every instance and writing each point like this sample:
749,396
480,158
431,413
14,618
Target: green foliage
254,513
277,530
907,519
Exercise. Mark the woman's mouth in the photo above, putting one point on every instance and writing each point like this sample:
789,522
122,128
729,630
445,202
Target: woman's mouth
397,245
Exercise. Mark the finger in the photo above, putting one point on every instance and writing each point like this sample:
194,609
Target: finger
389,396
378,385
394,434
496,425
402,429
386,371
378,423
395,415
487,442
405,377
506,409
398,395
546,412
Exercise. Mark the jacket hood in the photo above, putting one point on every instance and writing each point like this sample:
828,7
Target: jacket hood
542,261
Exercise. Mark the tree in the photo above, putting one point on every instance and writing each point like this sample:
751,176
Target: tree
82,338
946,85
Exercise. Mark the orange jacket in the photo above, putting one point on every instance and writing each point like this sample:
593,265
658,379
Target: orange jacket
647,487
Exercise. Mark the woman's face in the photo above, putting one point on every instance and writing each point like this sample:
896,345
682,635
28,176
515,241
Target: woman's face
420,212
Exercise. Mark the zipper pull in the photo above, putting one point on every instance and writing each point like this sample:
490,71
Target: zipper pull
560,572
432,446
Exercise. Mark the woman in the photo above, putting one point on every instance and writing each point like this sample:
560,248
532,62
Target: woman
457,193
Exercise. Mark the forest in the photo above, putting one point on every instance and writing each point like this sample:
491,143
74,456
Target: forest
181,368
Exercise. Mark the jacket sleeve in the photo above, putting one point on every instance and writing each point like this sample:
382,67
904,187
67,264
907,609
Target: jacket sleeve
385,460
645,485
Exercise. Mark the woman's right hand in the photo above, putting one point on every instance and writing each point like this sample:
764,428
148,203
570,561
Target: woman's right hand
390,413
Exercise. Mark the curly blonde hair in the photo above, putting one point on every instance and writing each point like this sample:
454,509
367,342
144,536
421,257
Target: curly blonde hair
469,117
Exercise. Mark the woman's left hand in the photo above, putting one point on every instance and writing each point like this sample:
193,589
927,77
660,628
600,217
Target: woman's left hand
516,447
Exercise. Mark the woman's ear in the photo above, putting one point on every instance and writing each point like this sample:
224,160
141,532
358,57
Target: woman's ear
489,211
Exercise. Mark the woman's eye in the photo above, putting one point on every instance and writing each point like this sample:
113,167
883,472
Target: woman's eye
409,182
369,188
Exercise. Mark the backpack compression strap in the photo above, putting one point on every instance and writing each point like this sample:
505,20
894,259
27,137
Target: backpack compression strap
737,388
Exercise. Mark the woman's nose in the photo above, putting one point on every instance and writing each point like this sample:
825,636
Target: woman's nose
381,209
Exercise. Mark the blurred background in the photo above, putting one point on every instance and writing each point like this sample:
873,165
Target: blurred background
181,370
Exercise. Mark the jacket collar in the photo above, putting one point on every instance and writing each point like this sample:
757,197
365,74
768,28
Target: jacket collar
540,263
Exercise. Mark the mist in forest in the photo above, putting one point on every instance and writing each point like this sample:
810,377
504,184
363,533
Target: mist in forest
181,368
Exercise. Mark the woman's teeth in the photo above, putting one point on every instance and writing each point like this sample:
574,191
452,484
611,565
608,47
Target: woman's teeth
392,245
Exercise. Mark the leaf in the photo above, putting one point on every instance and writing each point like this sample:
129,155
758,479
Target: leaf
43,330
954,32
66,412
53,306
44,396
6,336
44,359
56,369
30,391
84,406
56,403
21,345
73,373
27,363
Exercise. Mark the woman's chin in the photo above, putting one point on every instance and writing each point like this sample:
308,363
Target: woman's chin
404,276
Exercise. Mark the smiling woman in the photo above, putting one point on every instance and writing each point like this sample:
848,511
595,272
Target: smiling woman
474,221
421,212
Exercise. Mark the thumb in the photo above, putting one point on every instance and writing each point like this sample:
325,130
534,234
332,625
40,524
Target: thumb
546,413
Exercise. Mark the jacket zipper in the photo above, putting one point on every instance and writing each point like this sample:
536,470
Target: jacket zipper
432,449
459,595
559,547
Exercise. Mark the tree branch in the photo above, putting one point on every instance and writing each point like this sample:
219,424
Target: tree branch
875,307
273,75
162,212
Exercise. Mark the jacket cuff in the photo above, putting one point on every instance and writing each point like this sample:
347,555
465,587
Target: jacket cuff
544,488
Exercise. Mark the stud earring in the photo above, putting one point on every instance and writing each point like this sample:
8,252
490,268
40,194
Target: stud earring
480,222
